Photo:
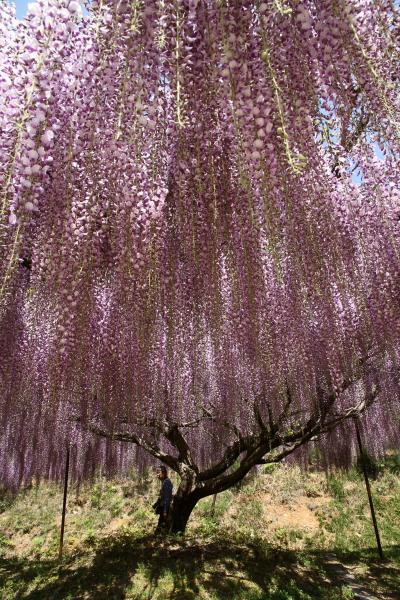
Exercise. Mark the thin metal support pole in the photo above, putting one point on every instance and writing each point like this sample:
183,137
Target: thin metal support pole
60,551
367,485
213,504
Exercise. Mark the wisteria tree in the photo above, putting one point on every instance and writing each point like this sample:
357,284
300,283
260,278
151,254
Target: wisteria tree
199,235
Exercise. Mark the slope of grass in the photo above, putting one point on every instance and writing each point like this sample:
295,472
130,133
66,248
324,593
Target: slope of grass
271,538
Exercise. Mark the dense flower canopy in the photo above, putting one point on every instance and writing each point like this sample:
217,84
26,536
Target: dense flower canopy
199,214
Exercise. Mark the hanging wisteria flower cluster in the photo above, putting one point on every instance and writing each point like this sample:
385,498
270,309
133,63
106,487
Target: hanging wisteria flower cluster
199,218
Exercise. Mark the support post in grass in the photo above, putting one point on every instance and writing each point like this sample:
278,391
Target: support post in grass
60,551
213,504
367,485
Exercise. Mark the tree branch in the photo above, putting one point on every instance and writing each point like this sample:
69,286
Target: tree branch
230,456
293,441
229,426
175,437
220,483
353,411
152,449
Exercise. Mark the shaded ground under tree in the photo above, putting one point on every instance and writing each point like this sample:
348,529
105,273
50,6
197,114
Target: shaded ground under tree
124,566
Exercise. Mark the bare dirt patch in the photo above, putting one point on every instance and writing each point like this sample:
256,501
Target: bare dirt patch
115,524
299,514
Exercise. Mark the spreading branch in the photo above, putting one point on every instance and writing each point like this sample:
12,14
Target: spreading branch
271,444
150,447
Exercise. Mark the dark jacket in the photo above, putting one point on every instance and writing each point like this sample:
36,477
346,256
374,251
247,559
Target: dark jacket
166,495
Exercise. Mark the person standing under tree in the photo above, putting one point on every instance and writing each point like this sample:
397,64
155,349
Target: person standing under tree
163,502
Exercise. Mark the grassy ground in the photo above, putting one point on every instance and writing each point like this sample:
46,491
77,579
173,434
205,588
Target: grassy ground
279,536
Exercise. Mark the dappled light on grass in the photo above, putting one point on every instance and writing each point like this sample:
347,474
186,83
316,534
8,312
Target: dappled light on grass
254,544
124,566
181,241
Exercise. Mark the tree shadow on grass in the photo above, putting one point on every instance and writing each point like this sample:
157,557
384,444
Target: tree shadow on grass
386,571
125,566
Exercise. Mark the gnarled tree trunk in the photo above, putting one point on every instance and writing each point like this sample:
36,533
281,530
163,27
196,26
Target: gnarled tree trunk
269,442
181,510
184,501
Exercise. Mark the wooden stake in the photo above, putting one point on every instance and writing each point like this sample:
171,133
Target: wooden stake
213,504
367,485
60,551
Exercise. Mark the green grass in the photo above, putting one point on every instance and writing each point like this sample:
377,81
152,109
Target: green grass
130,566
233,551
348,515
